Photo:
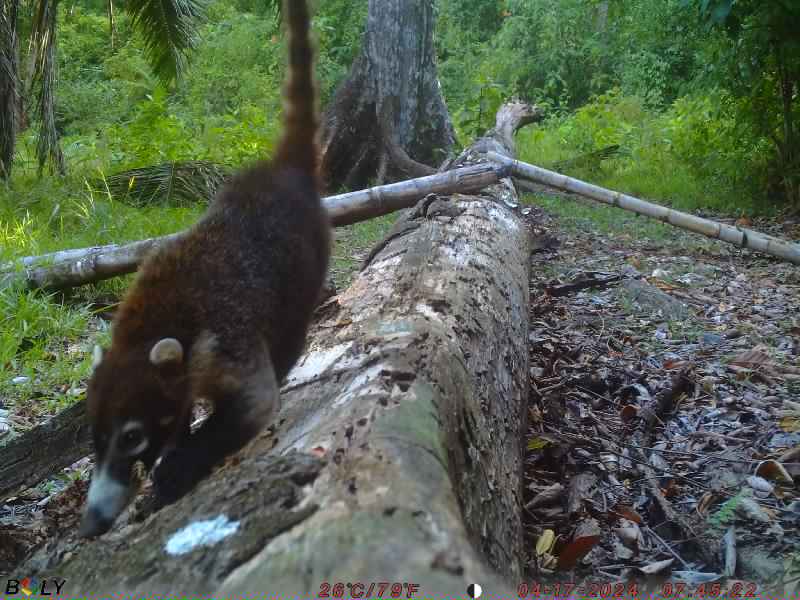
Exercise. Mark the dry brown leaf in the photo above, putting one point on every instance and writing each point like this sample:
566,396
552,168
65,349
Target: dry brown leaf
791,455
671,365
774,471
576,550
627,512
547,497
671,490
628,413
752,358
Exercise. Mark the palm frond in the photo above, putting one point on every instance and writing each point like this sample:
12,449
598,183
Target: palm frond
9,94
277,7
169,29
181,183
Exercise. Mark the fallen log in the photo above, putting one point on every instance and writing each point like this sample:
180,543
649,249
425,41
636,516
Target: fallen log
69,268
739,236
397,456
53,445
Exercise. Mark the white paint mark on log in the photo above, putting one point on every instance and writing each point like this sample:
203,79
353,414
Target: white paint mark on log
200,533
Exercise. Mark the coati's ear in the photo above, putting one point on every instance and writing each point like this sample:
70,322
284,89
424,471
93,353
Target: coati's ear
167,352
97,356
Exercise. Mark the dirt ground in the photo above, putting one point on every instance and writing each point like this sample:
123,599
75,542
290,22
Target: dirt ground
664,440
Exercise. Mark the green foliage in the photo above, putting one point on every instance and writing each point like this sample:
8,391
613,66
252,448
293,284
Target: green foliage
36,331
339,25
114,115
692,91
560,53
477,114
690,156
169,32
758,62
726,513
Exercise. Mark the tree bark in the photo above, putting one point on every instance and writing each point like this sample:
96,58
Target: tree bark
69,268
45,449
391,99
48,147
9,79
397,456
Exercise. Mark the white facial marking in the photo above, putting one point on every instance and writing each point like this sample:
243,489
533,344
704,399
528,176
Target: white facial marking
107,495
141,446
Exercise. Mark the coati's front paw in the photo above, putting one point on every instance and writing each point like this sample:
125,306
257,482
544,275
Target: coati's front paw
176,475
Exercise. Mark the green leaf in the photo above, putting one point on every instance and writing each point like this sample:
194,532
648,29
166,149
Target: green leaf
169,29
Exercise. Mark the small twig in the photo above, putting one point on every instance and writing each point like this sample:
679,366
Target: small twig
719,436
668,548
642,462
551,388
692,454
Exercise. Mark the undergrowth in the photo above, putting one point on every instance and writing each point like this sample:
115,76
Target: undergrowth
688,156
113,115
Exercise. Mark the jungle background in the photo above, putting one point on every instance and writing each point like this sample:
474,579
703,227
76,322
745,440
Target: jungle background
696,100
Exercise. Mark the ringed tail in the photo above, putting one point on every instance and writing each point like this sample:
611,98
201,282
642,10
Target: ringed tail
298,146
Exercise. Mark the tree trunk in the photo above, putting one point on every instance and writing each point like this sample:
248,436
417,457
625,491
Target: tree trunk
397,456
48,147
391,99
9,78
789,150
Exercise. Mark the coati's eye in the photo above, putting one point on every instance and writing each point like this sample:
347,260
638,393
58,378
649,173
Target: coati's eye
132,441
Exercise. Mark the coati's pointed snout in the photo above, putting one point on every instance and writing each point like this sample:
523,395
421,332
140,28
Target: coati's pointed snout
94,523
108,497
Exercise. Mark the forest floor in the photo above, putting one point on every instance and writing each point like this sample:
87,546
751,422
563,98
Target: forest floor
665,410
664,415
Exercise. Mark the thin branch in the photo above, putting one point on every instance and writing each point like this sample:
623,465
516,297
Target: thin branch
739,236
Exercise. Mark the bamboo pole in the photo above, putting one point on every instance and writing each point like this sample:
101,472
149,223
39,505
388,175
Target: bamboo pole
69,268
739,236
352,207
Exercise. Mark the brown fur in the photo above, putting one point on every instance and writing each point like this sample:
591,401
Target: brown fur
237,291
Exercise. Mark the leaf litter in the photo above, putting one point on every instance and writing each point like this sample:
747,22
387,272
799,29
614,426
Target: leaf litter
664,418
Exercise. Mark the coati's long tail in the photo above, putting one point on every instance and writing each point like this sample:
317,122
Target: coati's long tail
298,146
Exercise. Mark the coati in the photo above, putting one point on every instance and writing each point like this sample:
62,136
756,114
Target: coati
221,313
